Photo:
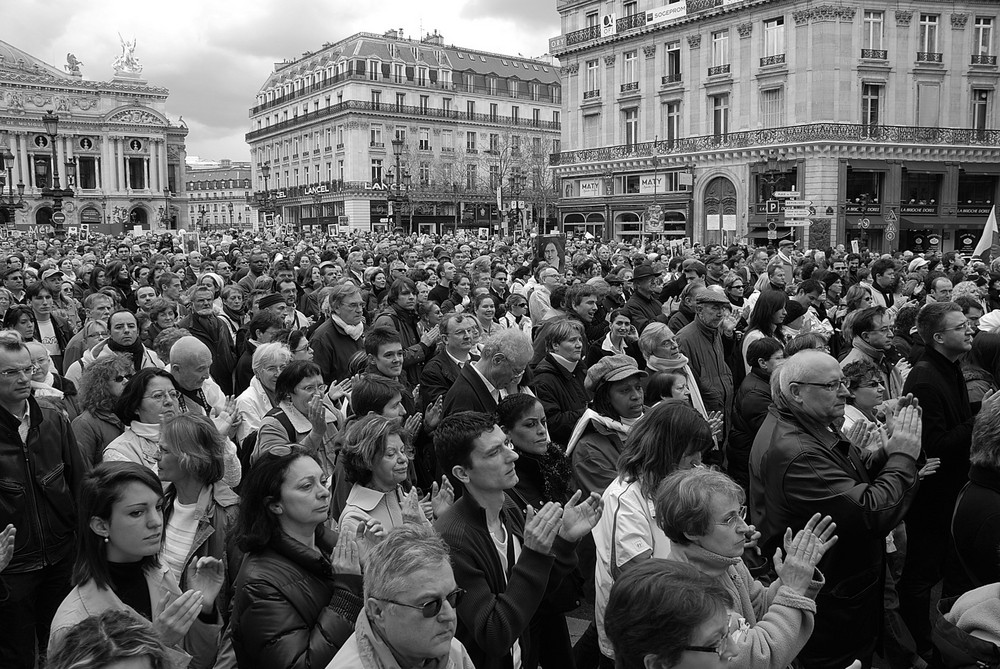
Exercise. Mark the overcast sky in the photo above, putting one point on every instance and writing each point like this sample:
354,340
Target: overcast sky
214,56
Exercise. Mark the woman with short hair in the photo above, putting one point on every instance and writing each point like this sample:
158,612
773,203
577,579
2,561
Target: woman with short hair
658,345
149,398
253,403
162,315
702,513
109,640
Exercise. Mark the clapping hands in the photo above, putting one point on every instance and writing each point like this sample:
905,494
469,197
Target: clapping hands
803,552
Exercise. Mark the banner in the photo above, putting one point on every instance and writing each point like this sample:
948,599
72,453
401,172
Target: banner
989,244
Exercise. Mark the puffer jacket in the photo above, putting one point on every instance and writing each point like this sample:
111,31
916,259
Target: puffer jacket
562,394
291,611
704,348
415,353
38,485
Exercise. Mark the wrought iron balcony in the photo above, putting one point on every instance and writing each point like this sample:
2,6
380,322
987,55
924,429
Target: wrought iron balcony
929,57
718,69
631,86
590,95
776,59
585,35
983,59
670,78
832,132
628,22
875,54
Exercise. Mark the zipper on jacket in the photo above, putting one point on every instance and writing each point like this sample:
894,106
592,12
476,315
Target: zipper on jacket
36,517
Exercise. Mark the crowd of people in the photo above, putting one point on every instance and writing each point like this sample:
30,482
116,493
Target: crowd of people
396,451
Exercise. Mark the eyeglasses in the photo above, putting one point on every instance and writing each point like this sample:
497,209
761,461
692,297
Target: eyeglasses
958,328
735,520
123,378
731,636
307,347
274,369
162,396
832,386
312,390
433,607
14,373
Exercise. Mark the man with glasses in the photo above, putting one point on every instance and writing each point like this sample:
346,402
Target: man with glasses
937,381
801,464
410,604
702,342
498,373
509,563
540,300
459,332
872,329
13,280
42,468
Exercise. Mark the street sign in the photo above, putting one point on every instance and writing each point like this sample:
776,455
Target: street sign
798,203
772,207
864,223
890,216
890,235
798,222
772,234
796,213
786,193
58,217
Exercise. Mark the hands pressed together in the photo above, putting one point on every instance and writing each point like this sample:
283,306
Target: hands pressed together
571,522
796,565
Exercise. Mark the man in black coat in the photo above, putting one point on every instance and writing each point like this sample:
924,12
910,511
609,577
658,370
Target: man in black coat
338,339
458,331
498,373
937,381
209,329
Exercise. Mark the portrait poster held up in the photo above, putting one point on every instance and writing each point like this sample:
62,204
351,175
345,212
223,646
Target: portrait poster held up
551,249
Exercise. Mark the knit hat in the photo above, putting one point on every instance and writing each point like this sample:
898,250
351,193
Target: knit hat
270,301
793,311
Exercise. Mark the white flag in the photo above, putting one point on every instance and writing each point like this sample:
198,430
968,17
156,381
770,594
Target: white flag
989,244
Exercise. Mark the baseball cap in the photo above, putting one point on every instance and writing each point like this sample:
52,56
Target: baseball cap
50,273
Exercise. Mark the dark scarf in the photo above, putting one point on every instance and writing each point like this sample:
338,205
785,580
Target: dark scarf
208,325
136,350
236,316
555,471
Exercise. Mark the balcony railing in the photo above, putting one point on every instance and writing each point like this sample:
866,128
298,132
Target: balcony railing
875,54
377,145
718,69
983,59
670,78
585,35
630,86
628,22
813,132
929,57
776,59
409,110
590,95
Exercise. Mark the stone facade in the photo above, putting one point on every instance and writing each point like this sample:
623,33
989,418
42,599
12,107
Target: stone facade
129,155
882,114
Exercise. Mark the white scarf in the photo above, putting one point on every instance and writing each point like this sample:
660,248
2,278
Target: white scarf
45,388
590,415
354,331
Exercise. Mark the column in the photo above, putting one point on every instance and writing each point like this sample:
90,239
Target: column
70,140
18,150
60,158
154,166
119,159
145,168
107,183
164,171
128,174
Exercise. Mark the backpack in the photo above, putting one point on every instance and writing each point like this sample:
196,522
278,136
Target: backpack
249,443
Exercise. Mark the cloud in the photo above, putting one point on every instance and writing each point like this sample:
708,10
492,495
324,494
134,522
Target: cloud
215,56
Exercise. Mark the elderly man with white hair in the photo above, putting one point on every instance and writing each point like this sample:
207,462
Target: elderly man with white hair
802,464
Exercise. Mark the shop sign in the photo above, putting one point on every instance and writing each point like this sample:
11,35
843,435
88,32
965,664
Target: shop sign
670,12
650,184
868,209
318,190
590,188
918,209
974,210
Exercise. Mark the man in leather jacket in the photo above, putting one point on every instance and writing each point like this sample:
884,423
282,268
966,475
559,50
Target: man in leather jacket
40,471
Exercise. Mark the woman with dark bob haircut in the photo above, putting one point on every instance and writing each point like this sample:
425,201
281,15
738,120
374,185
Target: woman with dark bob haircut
671,612
109,640
117,566
297,595
151,397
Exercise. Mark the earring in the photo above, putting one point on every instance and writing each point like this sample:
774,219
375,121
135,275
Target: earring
105,540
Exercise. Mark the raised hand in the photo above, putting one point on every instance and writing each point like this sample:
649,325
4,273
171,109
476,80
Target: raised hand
906,433
442,497
433,414
206,575
858,434
826,535
930,467
580,518
431,336
541,528
339,390
795,568
410,507
7,546
412,424
715,423
175,620
346,555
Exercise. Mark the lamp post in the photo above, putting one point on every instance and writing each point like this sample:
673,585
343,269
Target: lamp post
516,189
401,177
202,210
51,123
8,205
230,214
265,202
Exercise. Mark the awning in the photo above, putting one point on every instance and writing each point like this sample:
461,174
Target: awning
931,222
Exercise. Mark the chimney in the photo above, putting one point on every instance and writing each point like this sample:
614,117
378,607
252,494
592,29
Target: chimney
391,34
434,38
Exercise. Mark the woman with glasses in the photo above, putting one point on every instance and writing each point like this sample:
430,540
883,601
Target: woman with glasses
340,337
735,287
702,513
298,594
303,415
516,316
259,397
667,614
199,510
98,425
659,347
298,344
151,397
118,567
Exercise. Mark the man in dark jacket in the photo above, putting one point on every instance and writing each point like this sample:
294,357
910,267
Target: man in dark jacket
801,464
498,372
642,306
559,377
506,563
339,338
750,407
439,375
701,341
937,381
41,469
400,315
209,329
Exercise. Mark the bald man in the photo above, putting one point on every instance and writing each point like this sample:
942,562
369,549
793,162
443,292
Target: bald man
802,464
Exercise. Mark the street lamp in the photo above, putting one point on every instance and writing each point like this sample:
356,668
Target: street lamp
51,123
8,205
397,151
265,201
230,214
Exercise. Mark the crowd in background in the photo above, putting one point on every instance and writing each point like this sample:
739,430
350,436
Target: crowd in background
399,451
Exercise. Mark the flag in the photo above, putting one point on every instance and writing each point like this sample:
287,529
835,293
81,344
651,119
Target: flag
499,207
989,244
